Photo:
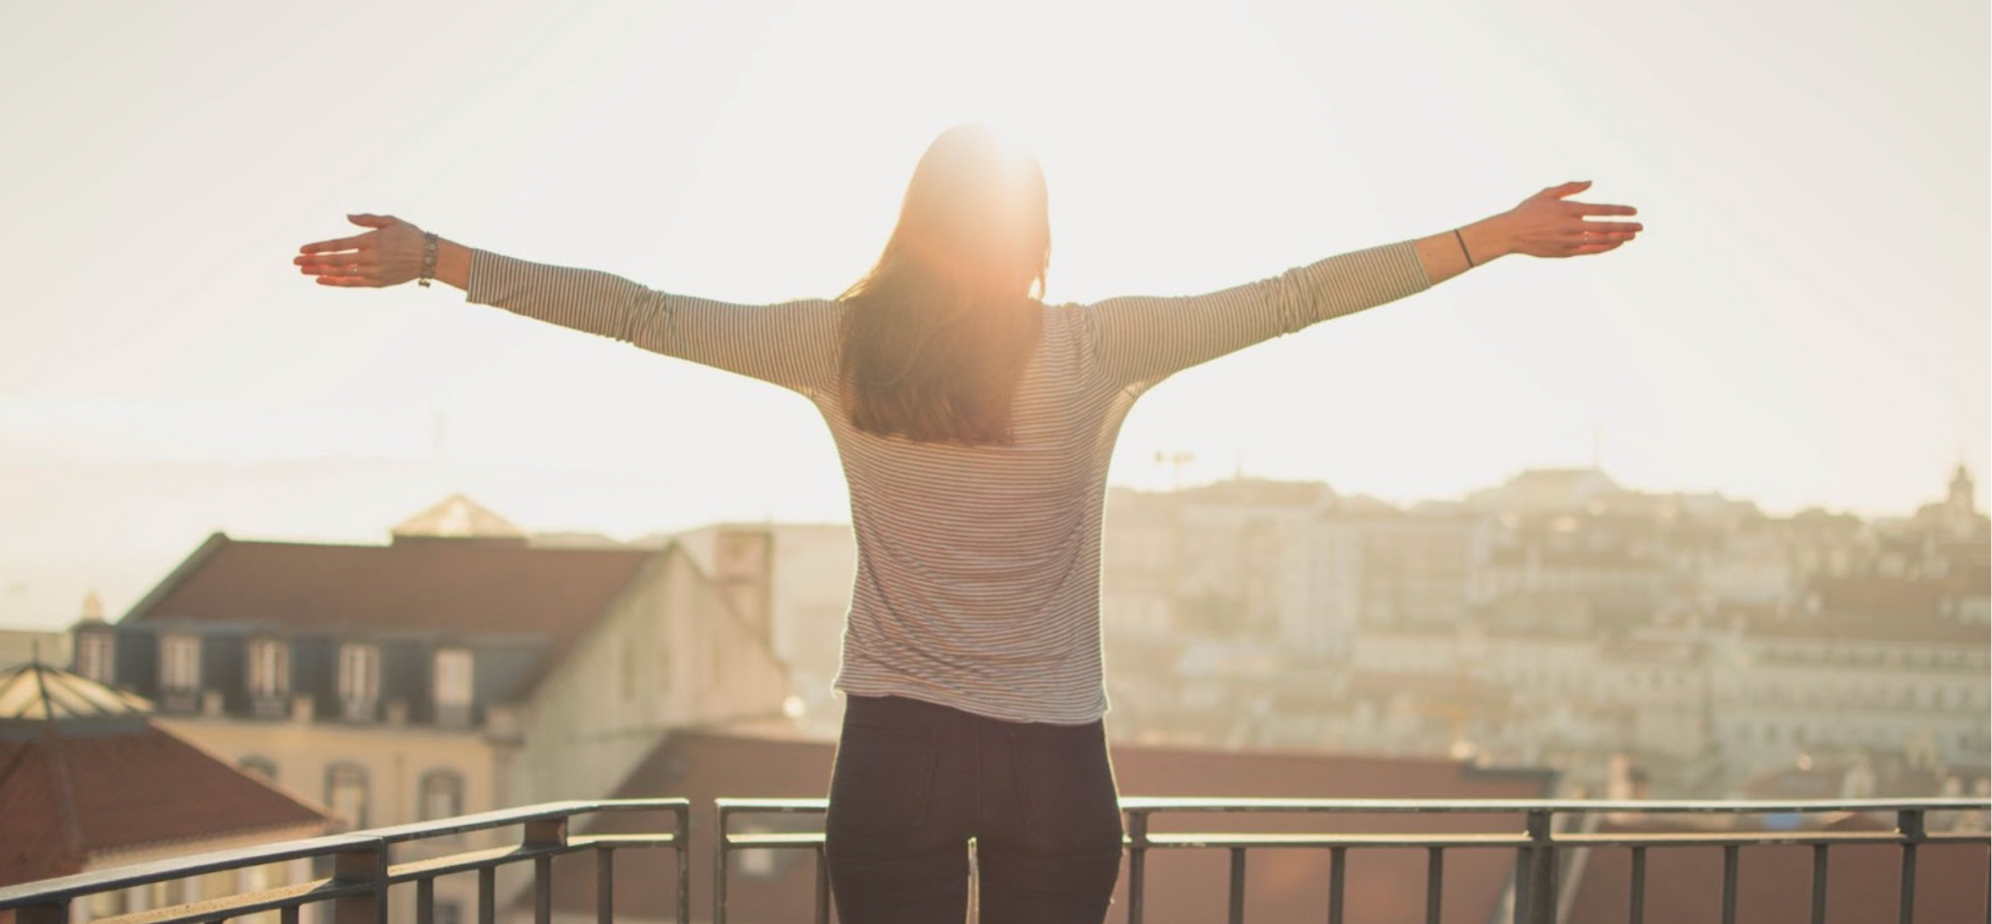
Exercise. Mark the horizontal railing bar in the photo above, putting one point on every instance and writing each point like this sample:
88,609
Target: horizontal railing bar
229,906
1227,841
750,841
619,841
503,818
68,887
1155,804
1151,804
499,856
1757,838
470,860
772,805
796,840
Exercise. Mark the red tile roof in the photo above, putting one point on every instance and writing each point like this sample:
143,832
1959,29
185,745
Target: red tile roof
1383,885
67,798
1893,597
472,587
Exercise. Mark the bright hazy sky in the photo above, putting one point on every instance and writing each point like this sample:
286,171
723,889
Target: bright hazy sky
1804,321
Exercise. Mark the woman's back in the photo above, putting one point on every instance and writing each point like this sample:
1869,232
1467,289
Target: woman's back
978,566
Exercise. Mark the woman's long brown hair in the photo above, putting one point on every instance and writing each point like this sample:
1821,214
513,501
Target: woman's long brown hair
937,334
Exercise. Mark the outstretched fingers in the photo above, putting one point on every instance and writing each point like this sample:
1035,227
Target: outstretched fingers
1590,208
356,242
347,258
1609,227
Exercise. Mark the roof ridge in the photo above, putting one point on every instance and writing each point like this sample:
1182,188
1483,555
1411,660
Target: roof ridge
179,574
41,685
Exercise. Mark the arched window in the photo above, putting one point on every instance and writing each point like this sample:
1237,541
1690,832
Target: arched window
259,766
440,795
346,794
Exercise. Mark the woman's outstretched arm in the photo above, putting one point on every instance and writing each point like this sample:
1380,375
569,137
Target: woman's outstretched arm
789,344
1140,341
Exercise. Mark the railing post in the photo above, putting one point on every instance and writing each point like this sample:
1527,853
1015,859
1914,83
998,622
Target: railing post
1637,914
1910,823
1732,858
719,868
1338,864
487,895
353,867
1435,880
543,832
822,887
681,835
605,885
425,900
1536,886
1137,868
1237,885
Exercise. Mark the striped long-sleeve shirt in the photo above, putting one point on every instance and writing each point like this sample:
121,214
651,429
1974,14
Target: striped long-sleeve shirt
978,577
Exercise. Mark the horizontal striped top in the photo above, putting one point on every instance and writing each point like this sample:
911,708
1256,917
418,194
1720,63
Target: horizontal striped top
978,578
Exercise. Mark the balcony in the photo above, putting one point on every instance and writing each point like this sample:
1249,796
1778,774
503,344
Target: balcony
1539,849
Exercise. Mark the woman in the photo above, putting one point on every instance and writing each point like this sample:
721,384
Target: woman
975,423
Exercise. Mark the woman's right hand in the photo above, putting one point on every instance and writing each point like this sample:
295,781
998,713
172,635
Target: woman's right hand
1544,225
389,255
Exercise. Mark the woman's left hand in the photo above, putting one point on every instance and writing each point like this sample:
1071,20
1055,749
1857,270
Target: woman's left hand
1546,225
389,255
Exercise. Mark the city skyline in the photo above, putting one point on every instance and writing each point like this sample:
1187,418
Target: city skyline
57,554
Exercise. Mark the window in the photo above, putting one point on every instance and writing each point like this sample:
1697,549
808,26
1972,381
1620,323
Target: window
359,673
93,656
259,766
269,668
346,794
453,677
441,795
180,663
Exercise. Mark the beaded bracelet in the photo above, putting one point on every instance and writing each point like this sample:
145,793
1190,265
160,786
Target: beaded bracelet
428,259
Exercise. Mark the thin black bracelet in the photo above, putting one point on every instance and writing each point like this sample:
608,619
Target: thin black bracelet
429,259
1462,248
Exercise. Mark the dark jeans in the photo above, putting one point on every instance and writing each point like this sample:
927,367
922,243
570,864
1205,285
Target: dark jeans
915,780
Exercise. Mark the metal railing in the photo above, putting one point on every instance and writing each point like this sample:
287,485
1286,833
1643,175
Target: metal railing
362,869
1538,844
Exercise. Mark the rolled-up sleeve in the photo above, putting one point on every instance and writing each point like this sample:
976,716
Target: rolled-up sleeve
1141,340
791,344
